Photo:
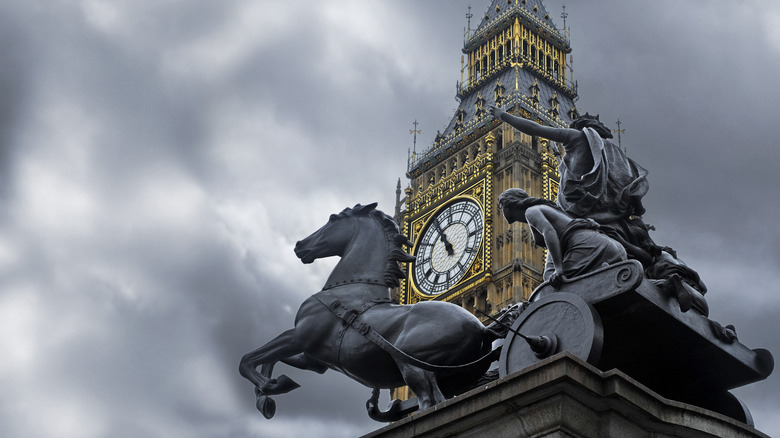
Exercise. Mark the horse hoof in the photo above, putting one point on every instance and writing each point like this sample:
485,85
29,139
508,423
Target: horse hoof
266,405
280,385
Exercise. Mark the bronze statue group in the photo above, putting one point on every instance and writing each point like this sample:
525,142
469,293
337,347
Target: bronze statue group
438,348
597,219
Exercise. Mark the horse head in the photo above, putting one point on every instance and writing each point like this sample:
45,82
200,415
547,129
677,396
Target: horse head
368,241
333,237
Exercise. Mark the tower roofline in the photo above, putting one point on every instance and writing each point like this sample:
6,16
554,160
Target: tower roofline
516,59
498,18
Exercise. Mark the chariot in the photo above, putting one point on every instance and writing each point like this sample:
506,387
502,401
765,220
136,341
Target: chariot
615,318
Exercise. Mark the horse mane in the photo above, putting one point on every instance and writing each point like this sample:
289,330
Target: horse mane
396,241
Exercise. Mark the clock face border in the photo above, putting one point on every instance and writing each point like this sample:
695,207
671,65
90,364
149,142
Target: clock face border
462,271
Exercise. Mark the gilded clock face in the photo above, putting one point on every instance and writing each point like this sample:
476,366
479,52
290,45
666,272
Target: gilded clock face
447,247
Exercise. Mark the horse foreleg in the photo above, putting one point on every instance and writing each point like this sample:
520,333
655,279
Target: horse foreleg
281,347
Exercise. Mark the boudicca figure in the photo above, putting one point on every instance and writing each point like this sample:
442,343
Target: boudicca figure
599,182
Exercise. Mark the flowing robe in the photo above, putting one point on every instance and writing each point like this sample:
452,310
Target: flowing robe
610,191
585,249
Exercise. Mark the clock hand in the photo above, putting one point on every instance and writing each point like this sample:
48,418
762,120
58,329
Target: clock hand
443,237
447,245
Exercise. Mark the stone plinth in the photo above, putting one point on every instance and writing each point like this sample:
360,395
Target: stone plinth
564,396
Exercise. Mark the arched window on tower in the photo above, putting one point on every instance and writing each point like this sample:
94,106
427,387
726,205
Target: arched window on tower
573,113
480,105
499,94
459,118
554,105
534,89
482,302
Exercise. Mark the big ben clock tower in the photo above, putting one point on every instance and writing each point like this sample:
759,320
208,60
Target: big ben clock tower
465,251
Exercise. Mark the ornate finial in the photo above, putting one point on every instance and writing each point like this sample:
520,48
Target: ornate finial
571,71
468,17
564,15
415,131
462,69
618,132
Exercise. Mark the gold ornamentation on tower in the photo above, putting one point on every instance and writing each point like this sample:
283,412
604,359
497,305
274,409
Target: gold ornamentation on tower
454,185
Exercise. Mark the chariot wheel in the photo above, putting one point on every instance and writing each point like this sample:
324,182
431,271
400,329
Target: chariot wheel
558,322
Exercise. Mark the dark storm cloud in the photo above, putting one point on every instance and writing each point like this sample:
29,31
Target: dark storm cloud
14,48
126,242
160,159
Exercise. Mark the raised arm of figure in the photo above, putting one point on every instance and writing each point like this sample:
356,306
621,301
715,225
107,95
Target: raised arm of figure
561,135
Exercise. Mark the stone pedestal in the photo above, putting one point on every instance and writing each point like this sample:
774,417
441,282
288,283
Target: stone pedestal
564,396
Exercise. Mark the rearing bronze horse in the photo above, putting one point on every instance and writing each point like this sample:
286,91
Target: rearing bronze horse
436,348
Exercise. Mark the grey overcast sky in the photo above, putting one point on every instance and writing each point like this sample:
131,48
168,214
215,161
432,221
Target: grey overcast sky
159,158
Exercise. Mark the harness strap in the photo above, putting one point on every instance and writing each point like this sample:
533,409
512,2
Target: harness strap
352,319
353,281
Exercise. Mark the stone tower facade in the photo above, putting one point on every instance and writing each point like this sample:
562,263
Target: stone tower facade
466,252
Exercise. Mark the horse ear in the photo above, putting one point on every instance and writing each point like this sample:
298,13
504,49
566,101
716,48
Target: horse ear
597,116
365,208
